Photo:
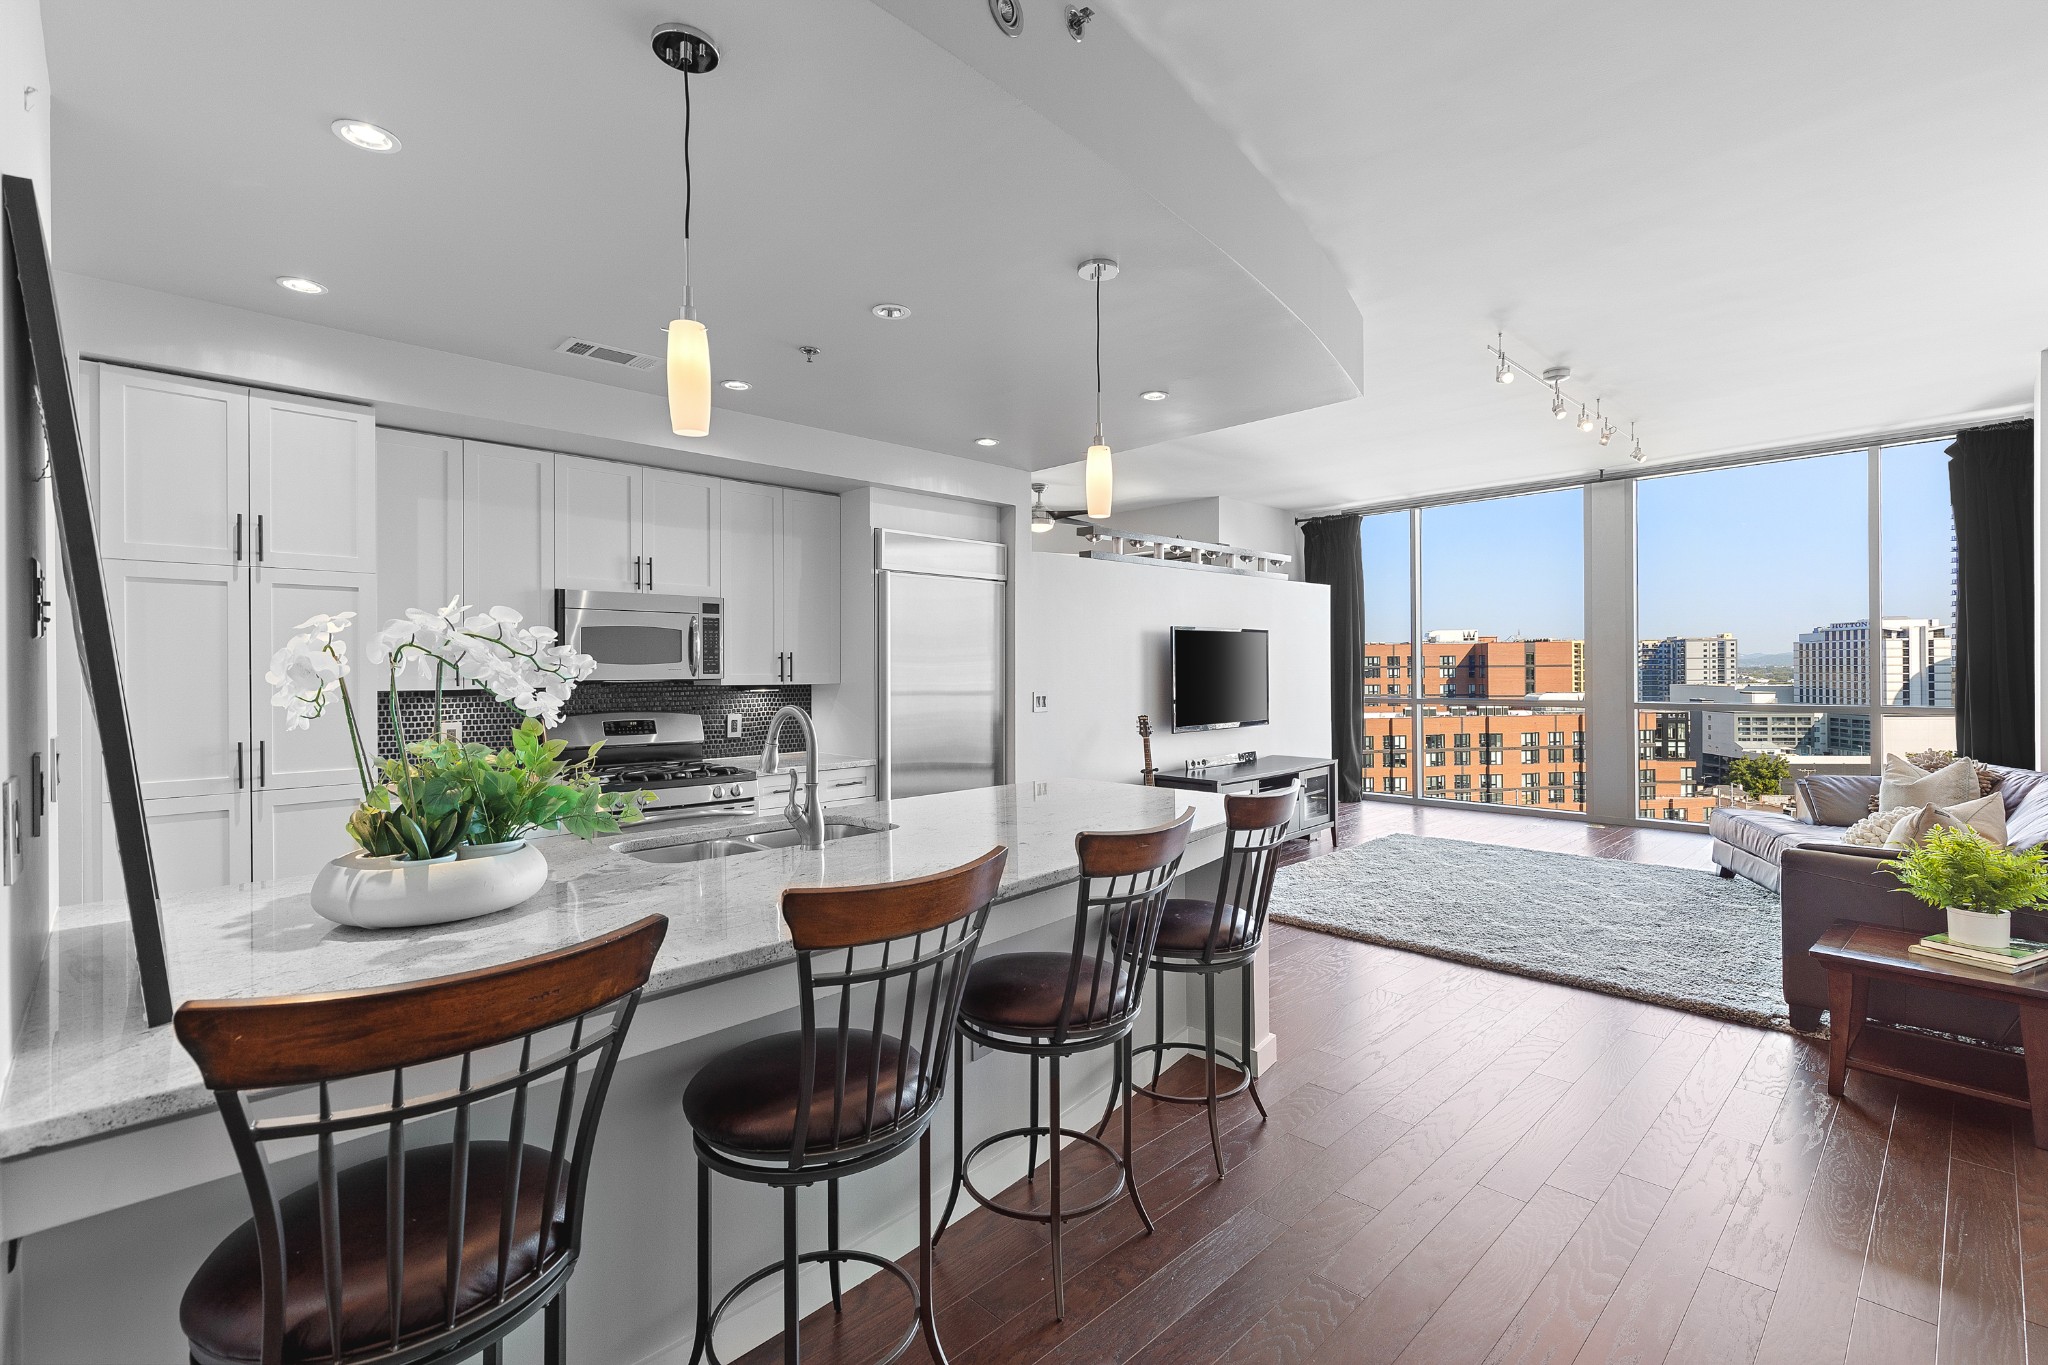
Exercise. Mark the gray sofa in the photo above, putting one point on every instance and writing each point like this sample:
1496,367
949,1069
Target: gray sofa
1821,880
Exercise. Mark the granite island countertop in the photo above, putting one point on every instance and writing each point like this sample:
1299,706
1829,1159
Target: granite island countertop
86,1065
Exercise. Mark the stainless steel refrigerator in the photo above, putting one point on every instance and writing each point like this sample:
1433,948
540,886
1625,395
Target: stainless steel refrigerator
941,611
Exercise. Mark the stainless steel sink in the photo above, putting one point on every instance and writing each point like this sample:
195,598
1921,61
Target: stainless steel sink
703,850
834,831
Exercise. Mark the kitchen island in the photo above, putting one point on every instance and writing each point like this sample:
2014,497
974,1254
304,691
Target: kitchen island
116,1171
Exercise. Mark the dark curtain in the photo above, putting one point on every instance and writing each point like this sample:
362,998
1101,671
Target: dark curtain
1991,487
1331,555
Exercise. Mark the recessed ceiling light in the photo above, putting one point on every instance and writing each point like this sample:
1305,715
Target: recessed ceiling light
367,136
738,385
891,312
299,284
1154,395
988,441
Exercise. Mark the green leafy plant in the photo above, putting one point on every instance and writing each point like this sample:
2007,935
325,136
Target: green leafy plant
527,787
423,808
1759,775
1954,867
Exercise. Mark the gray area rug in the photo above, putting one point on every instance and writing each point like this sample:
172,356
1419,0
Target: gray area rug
1666,935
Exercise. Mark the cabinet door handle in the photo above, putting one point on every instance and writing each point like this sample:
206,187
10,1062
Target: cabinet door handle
238,537
792,667
650,573
238,765
262,763
259,537
636,571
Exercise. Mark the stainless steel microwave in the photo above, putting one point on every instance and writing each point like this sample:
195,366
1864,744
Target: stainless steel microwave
637,636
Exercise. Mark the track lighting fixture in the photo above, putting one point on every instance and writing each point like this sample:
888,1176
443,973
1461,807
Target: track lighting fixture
1554,378
1041,515
684,49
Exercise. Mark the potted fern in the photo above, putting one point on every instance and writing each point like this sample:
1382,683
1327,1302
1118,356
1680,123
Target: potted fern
1977,882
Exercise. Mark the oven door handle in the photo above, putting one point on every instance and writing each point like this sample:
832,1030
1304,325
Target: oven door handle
696,646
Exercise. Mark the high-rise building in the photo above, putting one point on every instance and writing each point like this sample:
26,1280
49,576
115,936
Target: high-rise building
1679,660
1464,663
1830,664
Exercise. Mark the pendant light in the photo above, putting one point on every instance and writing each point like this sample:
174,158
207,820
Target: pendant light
1099,476
689,345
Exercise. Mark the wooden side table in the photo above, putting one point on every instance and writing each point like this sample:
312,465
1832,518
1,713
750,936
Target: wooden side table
1857,954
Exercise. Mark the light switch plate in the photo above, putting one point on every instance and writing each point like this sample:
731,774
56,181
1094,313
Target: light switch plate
1041,701
732,725
451,730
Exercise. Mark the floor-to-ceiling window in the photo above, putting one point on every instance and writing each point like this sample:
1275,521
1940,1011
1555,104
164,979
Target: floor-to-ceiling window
1475,668
1755,590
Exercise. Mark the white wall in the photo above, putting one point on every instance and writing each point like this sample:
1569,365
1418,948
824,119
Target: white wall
24,662
2041,568
1093,637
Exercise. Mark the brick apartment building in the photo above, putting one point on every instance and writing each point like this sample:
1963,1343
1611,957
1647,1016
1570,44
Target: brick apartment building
1505,742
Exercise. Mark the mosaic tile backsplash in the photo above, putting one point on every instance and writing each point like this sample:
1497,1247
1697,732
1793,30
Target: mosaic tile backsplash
486,720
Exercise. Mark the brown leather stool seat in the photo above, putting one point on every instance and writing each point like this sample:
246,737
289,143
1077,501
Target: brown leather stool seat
745,1099
222,1312
1023,993
1184,930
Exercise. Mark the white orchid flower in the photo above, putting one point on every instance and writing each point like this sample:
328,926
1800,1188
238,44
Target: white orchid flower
308,669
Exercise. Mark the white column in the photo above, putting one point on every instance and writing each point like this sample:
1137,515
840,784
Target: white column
1611,651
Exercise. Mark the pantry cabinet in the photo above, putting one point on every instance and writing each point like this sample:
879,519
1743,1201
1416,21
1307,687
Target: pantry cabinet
182,632
319,755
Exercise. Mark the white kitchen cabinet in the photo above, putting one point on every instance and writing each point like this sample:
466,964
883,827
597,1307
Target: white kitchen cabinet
597,525
312,484
807,585
192,472
836,787
748,517
173,467
679,531
183,635
419,525
509,529
195,842
293,832
320,755
779,575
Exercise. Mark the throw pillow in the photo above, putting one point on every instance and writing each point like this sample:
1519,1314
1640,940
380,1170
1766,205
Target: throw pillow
1835,798
1905,785
1872,830
1934,760
1984,817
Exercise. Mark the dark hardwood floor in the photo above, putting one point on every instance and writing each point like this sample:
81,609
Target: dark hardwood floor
1464,1166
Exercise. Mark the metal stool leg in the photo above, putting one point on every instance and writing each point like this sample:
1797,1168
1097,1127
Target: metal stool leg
1031,1143
1131,1171
1116,1082
494,1354
927,1302
1249,1031
791,1314
1209,1049
555,1346
832,1239
703,1262
1059,1287
1158,1023
959,1137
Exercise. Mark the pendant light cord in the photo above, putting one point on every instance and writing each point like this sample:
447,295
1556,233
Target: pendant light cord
689,189
1098,355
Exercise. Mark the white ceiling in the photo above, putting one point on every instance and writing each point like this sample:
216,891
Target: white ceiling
1745,225
843,158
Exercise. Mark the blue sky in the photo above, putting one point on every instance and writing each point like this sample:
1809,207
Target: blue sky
1765,551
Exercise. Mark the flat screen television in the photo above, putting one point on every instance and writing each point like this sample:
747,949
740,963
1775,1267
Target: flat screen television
1219,678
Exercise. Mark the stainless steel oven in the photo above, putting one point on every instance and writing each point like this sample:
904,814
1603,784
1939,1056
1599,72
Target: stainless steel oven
642,635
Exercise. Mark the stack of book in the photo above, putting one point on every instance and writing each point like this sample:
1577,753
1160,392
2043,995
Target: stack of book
2017,957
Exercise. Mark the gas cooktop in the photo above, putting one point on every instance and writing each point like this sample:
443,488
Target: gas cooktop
660,752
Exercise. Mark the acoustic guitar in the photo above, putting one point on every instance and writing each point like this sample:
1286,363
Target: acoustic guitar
1145,733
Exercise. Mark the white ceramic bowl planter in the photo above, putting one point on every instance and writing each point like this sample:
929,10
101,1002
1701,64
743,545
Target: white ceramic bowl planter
1975,929
388,893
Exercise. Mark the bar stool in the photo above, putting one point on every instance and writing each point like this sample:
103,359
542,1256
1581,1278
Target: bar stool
794,1109
1209,938
1047,1006
431,1251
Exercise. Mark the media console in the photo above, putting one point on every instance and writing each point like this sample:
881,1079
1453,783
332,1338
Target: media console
1315,810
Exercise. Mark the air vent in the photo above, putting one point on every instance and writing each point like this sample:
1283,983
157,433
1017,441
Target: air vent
610,355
